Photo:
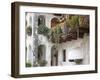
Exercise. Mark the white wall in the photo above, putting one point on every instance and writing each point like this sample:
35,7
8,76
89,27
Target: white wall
5,41
75,49
29,39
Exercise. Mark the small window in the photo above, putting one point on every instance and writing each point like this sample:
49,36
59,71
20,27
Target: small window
41,20
64,55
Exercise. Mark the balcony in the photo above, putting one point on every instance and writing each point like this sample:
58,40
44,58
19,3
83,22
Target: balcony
71,35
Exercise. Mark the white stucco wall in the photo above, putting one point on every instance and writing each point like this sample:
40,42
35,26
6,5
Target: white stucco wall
30,39
70,46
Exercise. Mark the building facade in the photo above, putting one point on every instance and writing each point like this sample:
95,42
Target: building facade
41,51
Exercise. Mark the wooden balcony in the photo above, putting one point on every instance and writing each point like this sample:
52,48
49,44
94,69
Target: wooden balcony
73,35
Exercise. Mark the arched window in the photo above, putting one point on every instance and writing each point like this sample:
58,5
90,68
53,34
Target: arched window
41,52
54,56
54,22
41,20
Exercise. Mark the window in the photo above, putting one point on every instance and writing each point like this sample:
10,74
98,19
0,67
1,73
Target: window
41,20
64,55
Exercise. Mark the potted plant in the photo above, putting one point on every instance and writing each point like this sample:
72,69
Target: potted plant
42,29
56,34
28,64
35,64
42,62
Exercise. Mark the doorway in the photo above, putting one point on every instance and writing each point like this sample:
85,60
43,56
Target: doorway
41,52
54,56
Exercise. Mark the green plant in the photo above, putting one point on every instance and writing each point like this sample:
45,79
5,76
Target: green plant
78,61
28,64
35,64
73,21
58,30
29,31
56,34
42,62
42,29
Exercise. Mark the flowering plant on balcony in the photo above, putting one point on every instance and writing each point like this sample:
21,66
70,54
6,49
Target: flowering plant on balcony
72,22
56,34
